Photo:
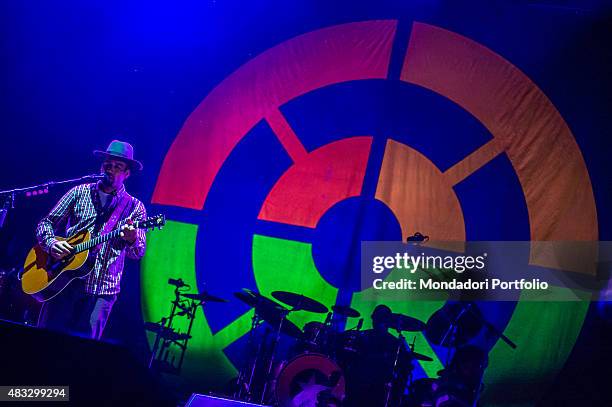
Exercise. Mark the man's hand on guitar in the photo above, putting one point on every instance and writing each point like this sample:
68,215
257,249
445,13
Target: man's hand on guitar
128,233
60,249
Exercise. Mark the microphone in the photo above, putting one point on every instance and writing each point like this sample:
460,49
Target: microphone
359,325
177,283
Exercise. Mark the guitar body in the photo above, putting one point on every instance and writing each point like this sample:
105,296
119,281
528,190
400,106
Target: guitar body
44,277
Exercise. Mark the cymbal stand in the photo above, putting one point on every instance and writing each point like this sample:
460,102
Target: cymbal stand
492,329
411,375
284,313
452,331
326,326
389,385
250,366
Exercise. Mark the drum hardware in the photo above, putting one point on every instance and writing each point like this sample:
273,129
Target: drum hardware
420,390
271,312
389,385
346,349
165,336
246,375
164,332
245,385
314,337
460,383
323,337
401,323
455,324
255,300
183,305
283,317
326,326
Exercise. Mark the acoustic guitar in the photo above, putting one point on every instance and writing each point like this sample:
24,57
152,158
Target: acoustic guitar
44,277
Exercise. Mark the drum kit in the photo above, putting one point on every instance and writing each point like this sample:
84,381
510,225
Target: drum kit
322,364
312,373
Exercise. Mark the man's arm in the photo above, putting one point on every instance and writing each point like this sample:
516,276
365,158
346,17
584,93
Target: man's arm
136,248
45,230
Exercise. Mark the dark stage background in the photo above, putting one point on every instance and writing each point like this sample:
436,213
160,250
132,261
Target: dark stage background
77,74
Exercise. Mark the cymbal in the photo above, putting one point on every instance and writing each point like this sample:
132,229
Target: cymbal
300,302
454,324
165,332
346,311
256,300
270,311
203,296
419,356
246,298
401,322
274,316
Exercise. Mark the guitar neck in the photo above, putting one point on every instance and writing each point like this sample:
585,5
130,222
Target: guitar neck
81,247
151,223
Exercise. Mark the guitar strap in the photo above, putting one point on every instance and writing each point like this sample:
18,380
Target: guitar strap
116,215
112,220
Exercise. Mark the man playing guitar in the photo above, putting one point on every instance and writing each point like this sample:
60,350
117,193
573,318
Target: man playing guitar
85,304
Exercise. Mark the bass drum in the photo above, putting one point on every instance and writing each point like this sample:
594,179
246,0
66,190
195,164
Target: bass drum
310,380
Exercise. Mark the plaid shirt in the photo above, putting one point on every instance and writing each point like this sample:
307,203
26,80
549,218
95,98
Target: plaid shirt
81,209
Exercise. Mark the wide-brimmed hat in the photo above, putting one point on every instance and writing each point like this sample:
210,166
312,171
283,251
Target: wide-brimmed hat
120,150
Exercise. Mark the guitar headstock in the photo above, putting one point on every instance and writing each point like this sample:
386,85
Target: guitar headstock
152,222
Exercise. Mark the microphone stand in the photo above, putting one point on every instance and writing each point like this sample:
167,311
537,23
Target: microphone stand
9,195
